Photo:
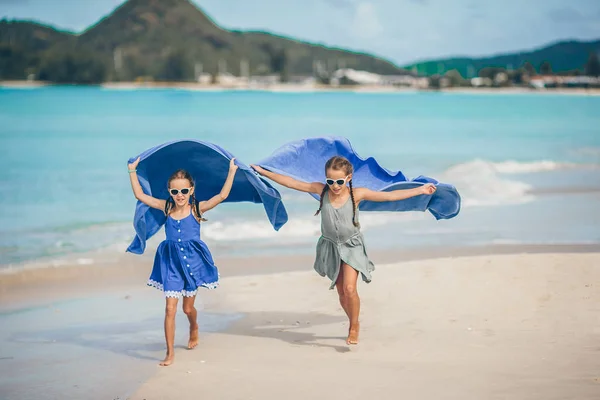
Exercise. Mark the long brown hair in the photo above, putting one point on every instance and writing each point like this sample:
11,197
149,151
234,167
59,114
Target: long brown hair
170,203
340,163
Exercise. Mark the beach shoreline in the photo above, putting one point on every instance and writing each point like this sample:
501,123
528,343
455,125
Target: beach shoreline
303,88
25,287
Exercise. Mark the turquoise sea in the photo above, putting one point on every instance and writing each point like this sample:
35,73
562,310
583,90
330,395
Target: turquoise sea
526,165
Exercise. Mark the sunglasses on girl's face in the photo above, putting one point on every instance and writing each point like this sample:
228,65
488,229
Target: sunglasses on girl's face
340,182
175,192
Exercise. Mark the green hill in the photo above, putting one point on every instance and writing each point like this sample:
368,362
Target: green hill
169,39
562,56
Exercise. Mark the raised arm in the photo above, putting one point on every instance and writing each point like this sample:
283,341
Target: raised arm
314,187
395,195
137,189
215,200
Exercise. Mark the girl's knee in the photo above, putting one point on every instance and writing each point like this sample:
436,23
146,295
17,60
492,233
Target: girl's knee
171,310
350,289
189,310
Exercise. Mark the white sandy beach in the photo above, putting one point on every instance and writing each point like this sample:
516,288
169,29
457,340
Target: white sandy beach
505,326
485,327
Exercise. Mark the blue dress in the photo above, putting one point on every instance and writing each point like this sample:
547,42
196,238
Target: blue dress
183,262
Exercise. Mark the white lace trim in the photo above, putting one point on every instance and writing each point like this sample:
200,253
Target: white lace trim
210,286
184,293
155,284
173,293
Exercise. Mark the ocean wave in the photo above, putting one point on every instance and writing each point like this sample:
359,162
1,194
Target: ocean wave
257,230
299,227
486,183
480,184
513,167
58,241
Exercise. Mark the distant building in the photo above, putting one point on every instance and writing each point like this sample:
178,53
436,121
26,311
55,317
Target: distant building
347,76
407,80
205,79
264,80
481,82
501,78
551,81
302,80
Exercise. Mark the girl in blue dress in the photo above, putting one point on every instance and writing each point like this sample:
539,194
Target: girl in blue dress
183,262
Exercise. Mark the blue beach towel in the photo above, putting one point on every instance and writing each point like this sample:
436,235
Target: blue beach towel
209,165
305,160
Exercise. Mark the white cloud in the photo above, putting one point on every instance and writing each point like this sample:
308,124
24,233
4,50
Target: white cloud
366,23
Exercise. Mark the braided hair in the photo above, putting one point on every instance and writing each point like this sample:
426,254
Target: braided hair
340,163
325,189
170,203
354,221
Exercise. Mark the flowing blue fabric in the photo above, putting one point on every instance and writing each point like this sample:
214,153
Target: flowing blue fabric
305,160
209,165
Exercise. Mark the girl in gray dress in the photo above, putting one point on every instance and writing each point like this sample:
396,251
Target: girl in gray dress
341,253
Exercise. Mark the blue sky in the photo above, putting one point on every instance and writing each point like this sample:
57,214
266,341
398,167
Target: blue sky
400,30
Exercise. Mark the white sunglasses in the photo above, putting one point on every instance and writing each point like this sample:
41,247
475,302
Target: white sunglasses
340,182
175,192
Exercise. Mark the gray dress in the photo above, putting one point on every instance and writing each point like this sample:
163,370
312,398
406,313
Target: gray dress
340,241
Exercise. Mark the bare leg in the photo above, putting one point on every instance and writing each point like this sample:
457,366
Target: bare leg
170,311
352,302
192,314
339,285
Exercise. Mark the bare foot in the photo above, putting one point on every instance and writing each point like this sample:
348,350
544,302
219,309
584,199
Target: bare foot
167,361
193,342
353,334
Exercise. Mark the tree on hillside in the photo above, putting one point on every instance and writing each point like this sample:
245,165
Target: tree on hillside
592,67
435,82
134,68
546,68
177,67
13,62
73,67
517,76
278,61
455,78
490,72
529,69
574,72
279,64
